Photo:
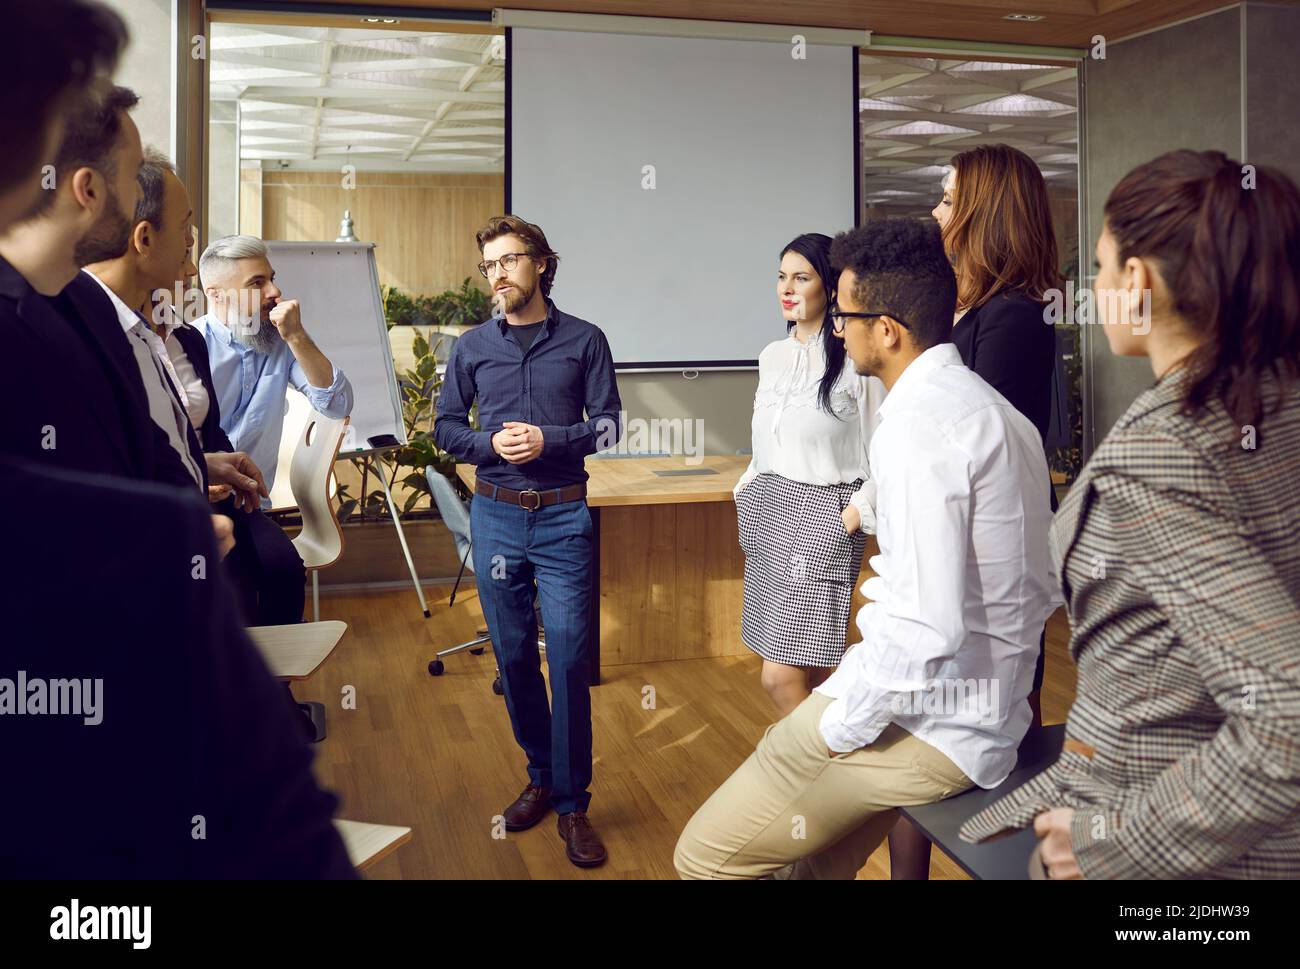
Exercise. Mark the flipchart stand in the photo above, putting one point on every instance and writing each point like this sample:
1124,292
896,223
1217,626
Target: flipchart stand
379,446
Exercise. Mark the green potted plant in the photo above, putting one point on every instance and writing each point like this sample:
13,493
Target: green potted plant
419,386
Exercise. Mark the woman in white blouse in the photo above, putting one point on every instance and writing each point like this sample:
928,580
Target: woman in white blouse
813,416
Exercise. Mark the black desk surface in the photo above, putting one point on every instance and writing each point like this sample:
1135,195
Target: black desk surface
1007,857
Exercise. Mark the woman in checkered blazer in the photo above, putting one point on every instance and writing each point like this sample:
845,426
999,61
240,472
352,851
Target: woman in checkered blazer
1177,547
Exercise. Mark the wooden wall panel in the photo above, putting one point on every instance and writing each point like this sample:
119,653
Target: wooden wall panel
422,223
250,202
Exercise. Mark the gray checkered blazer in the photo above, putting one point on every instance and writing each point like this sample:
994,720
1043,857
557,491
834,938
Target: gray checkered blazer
1179,552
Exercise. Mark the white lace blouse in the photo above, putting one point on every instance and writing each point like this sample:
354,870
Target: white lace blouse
795,438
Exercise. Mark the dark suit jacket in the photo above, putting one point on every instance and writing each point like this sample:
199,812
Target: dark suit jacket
195,735
98,318
70,391
1007,343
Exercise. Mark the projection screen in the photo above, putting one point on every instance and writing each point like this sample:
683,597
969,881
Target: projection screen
669,172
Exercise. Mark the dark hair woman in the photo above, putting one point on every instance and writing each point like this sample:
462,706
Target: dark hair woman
812,420
1176,547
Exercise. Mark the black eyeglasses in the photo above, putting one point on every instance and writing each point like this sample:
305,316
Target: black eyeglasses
506,262
840,317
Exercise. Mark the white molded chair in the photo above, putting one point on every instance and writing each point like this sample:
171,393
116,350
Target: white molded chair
367,843
297,651
320,543
294,652
297,411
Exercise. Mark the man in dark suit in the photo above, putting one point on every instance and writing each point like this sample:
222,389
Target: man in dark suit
266,569
62,403
69,384
165,749
101,790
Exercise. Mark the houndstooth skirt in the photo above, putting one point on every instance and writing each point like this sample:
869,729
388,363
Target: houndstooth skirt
800,569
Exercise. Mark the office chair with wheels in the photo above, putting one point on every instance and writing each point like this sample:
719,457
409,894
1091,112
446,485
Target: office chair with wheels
456,517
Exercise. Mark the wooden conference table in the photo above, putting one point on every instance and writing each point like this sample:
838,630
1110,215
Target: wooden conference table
668,566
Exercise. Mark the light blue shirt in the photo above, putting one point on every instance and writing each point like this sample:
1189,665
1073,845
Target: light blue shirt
251,387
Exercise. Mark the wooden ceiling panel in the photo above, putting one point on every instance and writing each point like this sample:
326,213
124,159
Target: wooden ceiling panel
1066,23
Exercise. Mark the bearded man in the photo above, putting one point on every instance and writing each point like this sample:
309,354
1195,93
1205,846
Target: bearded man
258,349
534,371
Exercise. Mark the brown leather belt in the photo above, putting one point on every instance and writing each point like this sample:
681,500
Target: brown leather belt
1079,747
531,500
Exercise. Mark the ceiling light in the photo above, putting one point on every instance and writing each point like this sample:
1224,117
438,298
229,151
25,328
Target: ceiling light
923,128
1025,18
1015,104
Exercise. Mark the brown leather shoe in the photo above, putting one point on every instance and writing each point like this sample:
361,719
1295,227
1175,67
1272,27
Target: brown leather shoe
528,808
581,843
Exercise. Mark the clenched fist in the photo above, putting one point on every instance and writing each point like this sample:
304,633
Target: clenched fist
286,317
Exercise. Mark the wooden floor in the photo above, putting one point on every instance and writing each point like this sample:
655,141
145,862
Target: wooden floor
438,754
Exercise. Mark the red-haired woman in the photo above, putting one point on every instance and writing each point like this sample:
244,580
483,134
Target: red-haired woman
1177,547
997,228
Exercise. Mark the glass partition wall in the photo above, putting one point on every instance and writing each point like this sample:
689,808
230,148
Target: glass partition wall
917,112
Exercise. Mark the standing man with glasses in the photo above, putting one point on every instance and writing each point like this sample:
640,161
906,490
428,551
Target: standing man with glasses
934,698
534,371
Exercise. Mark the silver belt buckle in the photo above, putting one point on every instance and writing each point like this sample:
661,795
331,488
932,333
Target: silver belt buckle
535,494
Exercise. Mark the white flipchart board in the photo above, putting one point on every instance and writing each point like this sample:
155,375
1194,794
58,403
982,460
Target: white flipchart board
337,287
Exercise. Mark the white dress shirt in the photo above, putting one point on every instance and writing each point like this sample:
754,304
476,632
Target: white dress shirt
795,438
963,580
155,372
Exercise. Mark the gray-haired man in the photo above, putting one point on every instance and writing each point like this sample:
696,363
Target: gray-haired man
258,349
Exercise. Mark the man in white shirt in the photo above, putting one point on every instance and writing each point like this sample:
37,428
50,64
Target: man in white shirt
933,700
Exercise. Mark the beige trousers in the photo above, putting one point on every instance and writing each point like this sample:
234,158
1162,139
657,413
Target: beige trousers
791,802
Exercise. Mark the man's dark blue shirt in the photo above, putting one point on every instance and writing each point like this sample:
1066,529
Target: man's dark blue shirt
567,370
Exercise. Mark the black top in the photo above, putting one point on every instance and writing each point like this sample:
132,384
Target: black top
1006,341
197,766
566,371
526,333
